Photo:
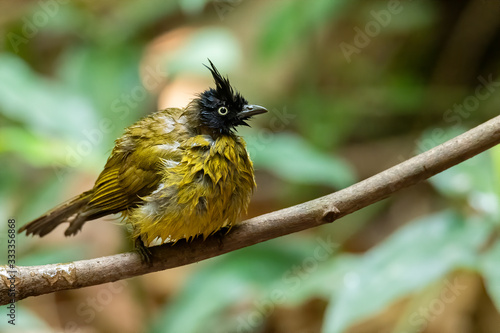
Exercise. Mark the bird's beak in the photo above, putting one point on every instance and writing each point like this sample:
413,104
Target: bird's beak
251,110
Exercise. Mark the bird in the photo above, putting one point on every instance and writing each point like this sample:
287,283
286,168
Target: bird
179,173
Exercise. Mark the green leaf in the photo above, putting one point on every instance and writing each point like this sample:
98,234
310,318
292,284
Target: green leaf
490,269
44,106
407,261
495,157
36,150
474,180
328,279
291,158
330,274
109,77
26,321
238,283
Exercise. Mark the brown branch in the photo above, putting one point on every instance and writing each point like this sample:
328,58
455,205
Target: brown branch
38,280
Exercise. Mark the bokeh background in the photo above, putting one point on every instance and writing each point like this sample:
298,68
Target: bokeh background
353,87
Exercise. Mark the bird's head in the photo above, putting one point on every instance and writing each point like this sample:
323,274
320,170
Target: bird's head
222,109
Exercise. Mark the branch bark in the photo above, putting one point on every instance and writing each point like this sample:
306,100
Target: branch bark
38,280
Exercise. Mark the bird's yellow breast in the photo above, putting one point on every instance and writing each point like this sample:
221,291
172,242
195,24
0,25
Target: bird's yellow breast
207,190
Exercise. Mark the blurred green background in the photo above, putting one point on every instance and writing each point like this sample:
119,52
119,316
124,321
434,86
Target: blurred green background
353,87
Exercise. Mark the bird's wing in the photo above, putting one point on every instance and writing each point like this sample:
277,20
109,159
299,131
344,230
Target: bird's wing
133,169
124,179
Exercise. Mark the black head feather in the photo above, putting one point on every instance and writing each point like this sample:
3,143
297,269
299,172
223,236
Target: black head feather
223,87
211,100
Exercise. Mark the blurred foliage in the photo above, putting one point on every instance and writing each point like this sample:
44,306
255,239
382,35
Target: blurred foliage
353,87
310,166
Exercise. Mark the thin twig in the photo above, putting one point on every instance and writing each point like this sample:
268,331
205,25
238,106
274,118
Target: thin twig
38,280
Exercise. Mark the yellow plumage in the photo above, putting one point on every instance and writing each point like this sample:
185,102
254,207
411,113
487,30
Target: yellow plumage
207,190
175,174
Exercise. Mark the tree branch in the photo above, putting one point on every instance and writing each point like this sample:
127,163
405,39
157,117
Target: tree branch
38,280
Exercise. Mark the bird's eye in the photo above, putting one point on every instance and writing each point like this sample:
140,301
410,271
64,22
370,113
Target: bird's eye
222,110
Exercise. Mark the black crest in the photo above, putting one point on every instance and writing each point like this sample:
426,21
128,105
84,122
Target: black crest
223,87
223,95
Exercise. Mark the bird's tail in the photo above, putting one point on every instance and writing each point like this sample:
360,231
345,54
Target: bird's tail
60,214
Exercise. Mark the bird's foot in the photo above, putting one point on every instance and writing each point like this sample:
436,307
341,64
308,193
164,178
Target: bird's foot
220,234
144,251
